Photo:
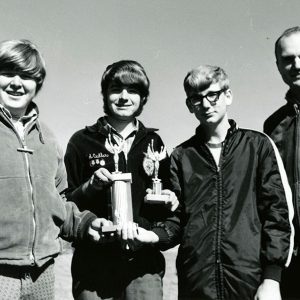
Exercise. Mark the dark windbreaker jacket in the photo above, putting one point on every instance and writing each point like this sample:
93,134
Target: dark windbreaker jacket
235,219
283,126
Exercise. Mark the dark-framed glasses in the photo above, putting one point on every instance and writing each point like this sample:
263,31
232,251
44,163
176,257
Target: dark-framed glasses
211,97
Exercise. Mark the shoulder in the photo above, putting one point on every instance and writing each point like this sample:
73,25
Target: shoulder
183,147
149,132
273,120
254,135
79,135
257,140
46,132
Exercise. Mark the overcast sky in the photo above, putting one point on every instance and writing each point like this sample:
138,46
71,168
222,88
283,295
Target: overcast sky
168,37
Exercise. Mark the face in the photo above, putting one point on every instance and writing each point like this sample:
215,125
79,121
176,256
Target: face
123,102
16,92
288,60
210,112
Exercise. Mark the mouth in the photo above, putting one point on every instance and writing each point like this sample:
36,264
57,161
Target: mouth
14,93
208,114
122,106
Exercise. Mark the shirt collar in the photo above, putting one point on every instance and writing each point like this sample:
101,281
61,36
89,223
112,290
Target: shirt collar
31,113
111,129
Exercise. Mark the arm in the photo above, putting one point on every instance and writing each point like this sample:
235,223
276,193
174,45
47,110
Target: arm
166,234
169,231
82,190
276,212
73,163
76,223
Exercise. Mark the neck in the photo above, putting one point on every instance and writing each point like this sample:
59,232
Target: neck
121,126
216,133
294,93
16,115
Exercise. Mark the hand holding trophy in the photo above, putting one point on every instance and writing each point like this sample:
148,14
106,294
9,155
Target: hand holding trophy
151,166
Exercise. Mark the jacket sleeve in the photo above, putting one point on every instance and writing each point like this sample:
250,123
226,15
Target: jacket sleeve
275,210
76,223
73,163
169,231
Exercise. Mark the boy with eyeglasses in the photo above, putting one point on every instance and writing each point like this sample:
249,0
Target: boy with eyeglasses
236,231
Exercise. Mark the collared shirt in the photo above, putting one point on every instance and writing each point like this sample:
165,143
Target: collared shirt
22,123
119,139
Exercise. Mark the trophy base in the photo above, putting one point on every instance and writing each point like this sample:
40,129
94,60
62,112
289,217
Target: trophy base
156,198
121,177
108,229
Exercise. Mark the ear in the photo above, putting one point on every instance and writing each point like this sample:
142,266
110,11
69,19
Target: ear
190,106
228,97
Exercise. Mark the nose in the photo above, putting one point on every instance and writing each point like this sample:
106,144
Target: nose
206,103
16,82
124,94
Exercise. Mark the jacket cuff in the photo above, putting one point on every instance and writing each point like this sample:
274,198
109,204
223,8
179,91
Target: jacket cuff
162,235
272,272
84,225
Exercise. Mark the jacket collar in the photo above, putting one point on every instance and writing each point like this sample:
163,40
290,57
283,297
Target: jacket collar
201,134
31,112
293,101
100,127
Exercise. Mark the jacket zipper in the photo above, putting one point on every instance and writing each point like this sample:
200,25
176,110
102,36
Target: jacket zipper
26,151
219,269
296,172
220,290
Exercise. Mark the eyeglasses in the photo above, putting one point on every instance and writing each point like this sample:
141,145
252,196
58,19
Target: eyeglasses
211,97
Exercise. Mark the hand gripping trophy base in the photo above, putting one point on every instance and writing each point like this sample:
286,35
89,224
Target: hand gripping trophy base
156,196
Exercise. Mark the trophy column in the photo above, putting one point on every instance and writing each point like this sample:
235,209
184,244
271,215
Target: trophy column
121,198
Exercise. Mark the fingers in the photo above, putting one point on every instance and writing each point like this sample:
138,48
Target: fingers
172,202
97,232
99,222
129,234
149,191
100,178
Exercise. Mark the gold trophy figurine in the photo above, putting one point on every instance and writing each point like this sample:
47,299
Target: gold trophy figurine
151,165
120,190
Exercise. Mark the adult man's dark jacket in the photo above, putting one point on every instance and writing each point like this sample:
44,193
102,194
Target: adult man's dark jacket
283,126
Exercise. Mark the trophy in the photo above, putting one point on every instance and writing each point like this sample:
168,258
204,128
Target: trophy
151,166
120,190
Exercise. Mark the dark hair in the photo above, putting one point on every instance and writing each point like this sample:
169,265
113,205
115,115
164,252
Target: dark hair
22,56
125,72
286,33
202,77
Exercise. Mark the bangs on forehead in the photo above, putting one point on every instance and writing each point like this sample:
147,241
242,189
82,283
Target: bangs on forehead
20,62
200,81
18,66
200,78
125,77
